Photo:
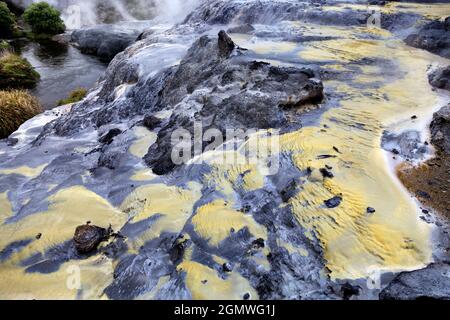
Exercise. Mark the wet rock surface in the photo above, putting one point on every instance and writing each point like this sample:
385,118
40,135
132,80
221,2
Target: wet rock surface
429,180
171,79
103,41
224,89
440,129
432,282
434,37
440,78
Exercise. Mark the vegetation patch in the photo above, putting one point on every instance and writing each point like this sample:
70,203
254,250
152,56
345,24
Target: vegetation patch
44,19
75,96
16,107
16,72
7,20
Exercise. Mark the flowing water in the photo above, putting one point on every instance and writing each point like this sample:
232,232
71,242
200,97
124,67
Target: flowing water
384,83
62,69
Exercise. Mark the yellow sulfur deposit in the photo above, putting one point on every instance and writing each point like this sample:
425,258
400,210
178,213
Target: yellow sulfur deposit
214,288
144,139
214,221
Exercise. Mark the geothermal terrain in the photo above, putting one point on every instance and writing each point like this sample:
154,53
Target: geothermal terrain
350,202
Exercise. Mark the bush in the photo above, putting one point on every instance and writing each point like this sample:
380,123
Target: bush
4,45
16,72
16,107
75,96
44,19
7,20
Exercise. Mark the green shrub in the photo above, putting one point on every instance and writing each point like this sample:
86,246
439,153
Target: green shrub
4,45
7,20
44,19
16,107
75,96
16,72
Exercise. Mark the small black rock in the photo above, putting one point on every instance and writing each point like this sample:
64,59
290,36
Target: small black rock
395,151
87,237
227,267
109,137
326,173
258,243
151,122
247,296
370,210
333,202
348,291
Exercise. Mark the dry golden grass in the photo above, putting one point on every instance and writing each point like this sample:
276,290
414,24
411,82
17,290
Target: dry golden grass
16,107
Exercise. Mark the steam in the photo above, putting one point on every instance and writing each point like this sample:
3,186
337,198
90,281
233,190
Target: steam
174,10
78,13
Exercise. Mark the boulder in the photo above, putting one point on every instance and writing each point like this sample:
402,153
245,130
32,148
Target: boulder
104,41
434,37
87,237
432,282
440,129
217,85
440,78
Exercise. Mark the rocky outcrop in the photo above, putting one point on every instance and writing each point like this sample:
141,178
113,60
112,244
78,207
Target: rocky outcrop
440,78
104,41
434,37
268,11
218,86
440,129
432,282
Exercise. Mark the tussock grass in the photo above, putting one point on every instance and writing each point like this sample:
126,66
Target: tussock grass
16,72
16,107
75,96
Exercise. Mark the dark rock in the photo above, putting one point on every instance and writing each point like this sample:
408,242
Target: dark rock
226,45
258,243
326,173
423,194
247,296
440,78
440,129
268,12
38,236
88,237
109,137
289,191
336,149
104,41
348,291
370,210
431,282
434,37
209,65
333,202
325,156
227,267
151,122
